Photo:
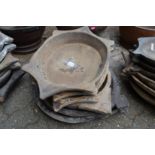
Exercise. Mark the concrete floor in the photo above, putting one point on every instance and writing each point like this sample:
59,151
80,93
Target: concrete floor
20,111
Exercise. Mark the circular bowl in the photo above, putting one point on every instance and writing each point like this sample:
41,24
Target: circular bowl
70,60
129,34
27,38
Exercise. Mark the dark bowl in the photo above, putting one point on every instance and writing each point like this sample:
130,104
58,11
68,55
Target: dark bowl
27,38
129,34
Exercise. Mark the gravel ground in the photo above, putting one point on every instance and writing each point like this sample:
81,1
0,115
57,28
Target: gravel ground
20,111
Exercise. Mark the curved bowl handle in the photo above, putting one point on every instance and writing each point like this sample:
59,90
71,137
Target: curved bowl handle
86,29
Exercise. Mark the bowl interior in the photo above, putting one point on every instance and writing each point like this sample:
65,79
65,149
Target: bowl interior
72,58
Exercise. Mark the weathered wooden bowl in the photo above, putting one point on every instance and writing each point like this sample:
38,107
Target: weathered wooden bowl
70,60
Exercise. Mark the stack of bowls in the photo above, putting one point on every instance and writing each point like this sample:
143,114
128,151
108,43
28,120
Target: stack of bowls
27,38
142,69
71,70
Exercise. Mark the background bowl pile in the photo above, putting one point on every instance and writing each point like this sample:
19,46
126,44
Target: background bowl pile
141,69
27,38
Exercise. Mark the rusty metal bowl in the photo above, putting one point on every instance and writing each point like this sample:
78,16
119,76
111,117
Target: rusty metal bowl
27,38
129,34
70,60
